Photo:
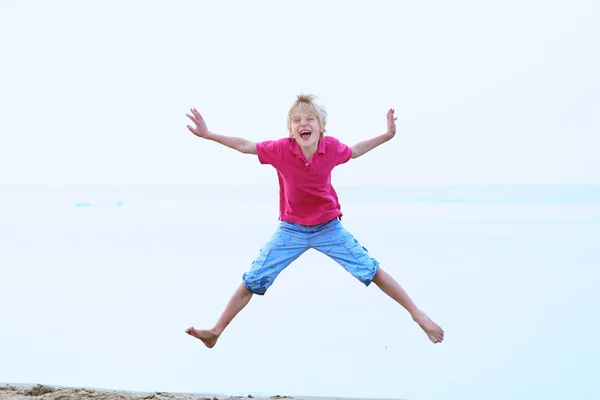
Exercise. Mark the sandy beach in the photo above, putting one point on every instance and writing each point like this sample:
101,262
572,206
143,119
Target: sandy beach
46,392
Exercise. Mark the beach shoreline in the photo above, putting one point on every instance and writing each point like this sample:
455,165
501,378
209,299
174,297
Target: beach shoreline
24,391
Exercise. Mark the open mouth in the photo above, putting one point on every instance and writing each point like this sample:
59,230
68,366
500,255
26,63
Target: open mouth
305,135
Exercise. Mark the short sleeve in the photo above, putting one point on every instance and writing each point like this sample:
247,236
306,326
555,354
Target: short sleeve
343,153
269,152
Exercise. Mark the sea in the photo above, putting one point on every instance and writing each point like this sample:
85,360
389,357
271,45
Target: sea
98,284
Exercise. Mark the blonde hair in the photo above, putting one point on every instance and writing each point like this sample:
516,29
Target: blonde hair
307,103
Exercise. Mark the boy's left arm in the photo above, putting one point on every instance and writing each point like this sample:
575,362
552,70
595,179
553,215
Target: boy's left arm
365,146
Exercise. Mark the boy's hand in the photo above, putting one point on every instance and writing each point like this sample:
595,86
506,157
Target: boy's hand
200,129
391,122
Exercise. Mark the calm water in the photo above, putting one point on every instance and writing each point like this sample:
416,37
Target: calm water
97,286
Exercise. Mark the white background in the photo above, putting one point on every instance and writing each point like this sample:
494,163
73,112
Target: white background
95,93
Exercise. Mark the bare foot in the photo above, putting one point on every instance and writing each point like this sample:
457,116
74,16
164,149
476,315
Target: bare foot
208,338
433,330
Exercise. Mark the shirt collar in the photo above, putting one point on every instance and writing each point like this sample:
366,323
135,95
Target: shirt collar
295,147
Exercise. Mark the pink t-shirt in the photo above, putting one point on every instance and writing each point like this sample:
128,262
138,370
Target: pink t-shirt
306,196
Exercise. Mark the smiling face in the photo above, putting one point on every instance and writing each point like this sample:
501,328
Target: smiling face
305,127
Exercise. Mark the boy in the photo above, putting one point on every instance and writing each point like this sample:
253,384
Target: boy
309,211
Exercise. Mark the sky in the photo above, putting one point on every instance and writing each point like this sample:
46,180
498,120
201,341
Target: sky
96,93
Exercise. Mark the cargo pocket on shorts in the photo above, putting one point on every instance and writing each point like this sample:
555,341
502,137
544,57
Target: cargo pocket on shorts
359,252
261,258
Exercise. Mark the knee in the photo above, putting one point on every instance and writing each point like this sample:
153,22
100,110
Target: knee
244,291
254,285
378,276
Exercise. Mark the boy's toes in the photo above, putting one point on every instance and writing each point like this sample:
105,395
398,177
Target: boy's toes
439,336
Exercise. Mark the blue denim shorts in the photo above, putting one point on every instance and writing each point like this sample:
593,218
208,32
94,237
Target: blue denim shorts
291,240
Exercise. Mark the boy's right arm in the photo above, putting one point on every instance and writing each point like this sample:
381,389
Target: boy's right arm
236,143
201,130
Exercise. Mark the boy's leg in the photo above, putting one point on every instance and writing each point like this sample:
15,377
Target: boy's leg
238,301
393,289
285,246
336,242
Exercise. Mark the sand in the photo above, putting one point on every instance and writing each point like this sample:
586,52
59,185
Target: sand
44,392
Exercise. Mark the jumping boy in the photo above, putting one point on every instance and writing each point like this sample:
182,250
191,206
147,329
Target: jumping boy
309,211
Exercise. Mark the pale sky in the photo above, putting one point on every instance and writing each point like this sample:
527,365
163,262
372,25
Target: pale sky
95,93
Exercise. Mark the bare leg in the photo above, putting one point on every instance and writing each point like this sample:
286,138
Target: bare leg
390,287
238,301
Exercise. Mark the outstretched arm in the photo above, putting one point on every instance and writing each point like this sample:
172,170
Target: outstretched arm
367,145
201,130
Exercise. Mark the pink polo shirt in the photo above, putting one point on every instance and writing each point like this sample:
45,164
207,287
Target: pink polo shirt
306,196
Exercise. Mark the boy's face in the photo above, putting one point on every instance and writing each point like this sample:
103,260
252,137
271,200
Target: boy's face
305,128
